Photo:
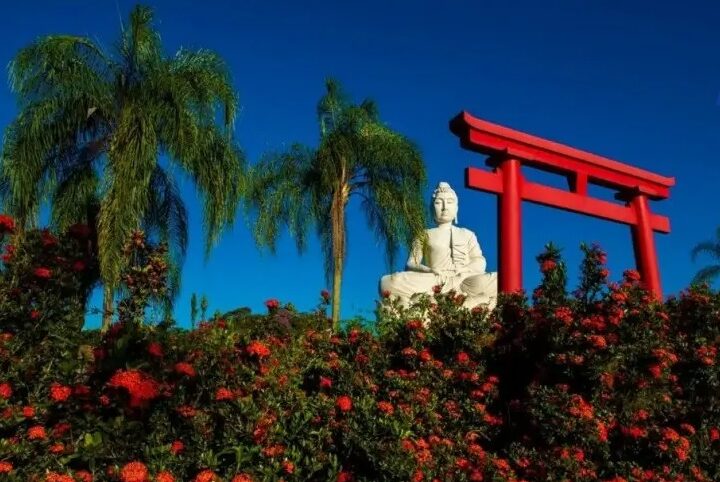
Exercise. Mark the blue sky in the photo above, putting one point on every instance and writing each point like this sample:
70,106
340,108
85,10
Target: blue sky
633,81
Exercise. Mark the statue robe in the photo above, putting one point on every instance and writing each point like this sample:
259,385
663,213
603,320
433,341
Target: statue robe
449,252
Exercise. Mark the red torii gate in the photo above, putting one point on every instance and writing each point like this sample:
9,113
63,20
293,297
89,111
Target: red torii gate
509,149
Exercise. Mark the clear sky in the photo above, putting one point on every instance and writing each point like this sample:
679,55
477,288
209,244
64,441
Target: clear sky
633,81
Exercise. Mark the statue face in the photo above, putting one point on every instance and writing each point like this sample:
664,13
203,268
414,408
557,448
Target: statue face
446,207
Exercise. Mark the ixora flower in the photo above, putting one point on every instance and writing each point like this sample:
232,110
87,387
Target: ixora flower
55,477
5,467
7,224
242,478
84,476
134,472
140,386
5,390
184,368
258,349
548,265
164,476
224,394
272,304
206,476
42,273
60,393
177,447
344,403
36,432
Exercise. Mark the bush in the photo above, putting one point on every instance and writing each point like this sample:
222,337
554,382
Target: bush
601,384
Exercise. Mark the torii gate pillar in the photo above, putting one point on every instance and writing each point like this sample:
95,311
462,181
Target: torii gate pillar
509,150
510,227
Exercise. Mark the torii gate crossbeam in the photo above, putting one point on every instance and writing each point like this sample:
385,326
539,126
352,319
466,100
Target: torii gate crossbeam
509,149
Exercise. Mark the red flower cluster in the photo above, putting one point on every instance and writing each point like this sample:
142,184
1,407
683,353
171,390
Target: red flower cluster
344,403
134,472
184,368
258,349
7,224
140,386
6,390
42,273
60,393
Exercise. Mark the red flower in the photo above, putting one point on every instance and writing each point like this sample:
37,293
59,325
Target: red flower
206,476
344,403
7,224
564,315
60,429
60,393
134,472
28,412
5,467
187,411
184,368
325,295
386,407
714,434
177,447
258,349
598,341
55,477
84,475
634,432
272,304
548,265
57,448
140,386
224,394
36,433
5,390
42,273
413,325
655,371
631,275
164,476
242,478
288,467
344,476
325,382
463,358
155,349
78,266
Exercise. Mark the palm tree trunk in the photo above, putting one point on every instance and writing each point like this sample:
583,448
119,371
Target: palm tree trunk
107,307
338,253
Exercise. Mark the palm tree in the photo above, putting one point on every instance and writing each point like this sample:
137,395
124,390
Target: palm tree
358,156
99,135
712,249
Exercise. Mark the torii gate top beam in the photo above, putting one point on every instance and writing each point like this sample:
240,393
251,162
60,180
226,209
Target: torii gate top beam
498,141
510,149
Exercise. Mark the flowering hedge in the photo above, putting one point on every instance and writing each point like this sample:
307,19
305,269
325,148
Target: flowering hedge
601,384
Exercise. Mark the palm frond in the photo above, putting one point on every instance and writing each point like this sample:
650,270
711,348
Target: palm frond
278,194
710,248
707,274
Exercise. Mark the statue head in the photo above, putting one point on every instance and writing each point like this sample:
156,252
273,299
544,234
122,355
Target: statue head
444,204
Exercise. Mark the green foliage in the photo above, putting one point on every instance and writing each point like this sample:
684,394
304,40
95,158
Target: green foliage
603,383
92,126
357,156
709,248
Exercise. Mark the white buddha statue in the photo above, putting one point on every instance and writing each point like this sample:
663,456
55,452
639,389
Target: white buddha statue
450,258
